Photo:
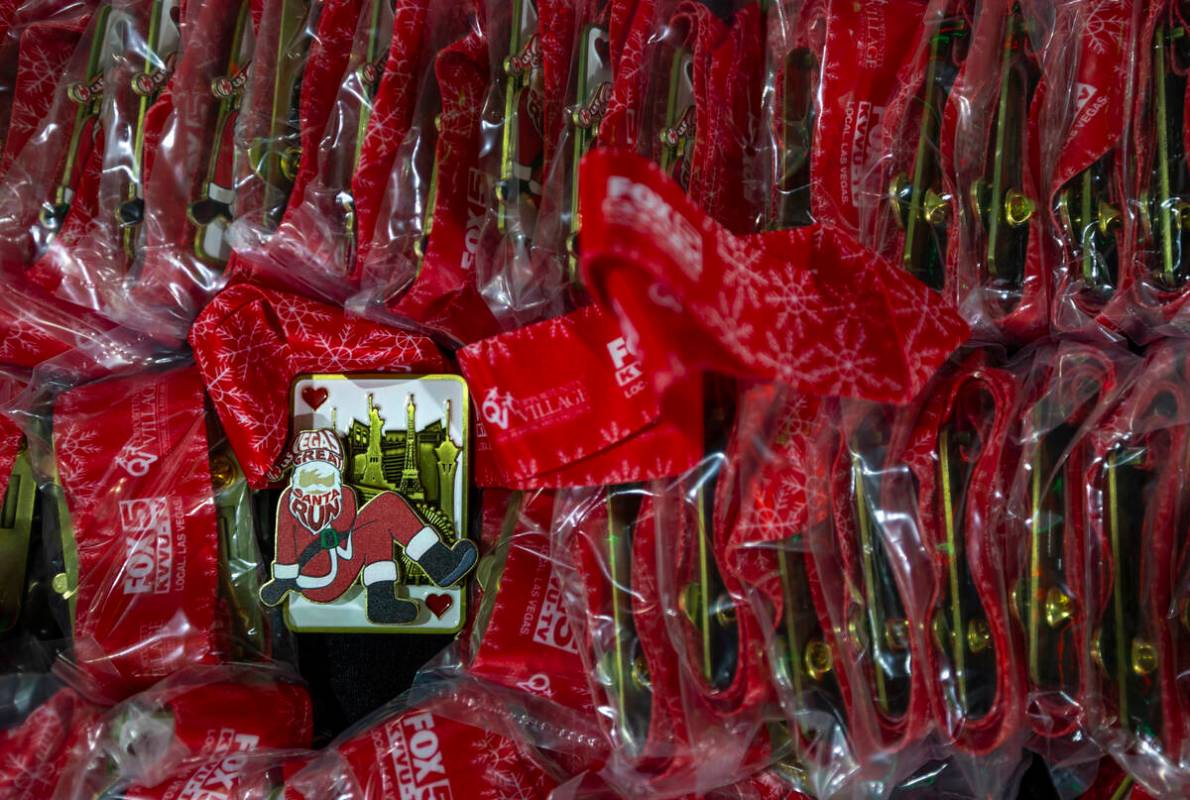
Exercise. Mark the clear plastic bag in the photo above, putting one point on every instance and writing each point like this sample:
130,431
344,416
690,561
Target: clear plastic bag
202,730
147,529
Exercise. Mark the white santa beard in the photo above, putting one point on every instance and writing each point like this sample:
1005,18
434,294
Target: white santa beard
317,476
320,498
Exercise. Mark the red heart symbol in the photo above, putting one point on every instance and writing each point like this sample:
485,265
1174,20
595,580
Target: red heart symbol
315,396
439,603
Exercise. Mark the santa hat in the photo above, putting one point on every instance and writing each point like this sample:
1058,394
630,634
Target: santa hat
317,445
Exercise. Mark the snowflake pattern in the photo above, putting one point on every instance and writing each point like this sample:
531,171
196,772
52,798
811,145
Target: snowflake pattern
507,774
250,344
606,435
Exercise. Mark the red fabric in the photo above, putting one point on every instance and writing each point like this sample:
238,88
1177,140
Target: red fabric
1092,132
527,642
566,403
984,399
419,752
631,25
330,52
659,734
864,48
808,307
1078,385
256,122
1151,309
250,343
1151,423
171,273
727,68
440,288
45,49
10,446
200,731
414,28
39,749
839,561
35,327
1020,313
132,456
87,261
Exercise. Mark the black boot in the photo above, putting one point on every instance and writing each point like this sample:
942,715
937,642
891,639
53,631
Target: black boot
446,566
273,592
385,608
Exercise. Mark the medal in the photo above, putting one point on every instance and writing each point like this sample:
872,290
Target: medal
371,525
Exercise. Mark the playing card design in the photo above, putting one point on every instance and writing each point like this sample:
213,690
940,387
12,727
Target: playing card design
371,525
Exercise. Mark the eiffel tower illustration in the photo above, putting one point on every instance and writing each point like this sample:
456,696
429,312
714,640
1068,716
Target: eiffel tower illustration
419,465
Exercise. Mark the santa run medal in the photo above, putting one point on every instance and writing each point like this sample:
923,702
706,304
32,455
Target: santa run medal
371,524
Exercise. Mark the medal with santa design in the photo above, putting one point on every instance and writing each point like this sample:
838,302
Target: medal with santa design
371,524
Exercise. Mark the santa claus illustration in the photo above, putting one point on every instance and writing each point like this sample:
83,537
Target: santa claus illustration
324,542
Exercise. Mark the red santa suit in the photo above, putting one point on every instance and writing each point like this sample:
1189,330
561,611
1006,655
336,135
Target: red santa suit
325,542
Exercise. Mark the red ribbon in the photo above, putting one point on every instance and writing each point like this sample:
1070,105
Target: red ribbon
808,307
250,343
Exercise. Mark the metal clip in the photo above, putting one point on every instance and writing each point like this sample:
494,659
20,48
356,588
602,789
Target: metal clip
1123,646
962,629
522,65
623,669
16,526
421,245
275,157
489,572
1091,223
87,95
66,582
146,85
883,630
792,191
367,78
593,90
677,135
999,205
211,214
1046,605
1165,213
705,602
808,660
238,546
921,206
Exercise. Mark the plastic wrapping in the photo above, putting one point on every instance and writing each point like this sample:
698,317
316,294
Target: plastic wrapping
44,727
184,250
773,480
203,730
148,539
448,740
1134,481
1155,277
